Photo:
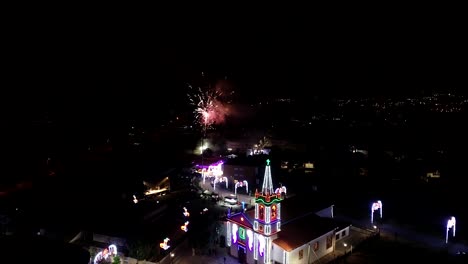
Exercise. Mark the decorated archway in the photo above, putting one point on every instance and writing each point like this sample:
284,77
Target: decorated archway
241,184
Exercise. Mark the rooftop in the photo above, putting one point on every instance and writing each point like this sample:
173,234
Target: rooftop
305,229
292,209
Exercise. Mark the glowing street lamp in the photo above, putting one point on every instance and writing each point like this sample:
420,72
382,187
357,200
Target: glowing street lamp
164,244
186,213
184,227
451,223
376,206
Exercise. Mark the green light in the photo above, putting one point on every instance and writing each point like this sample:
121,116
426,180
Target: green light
241,233
268,162
261,200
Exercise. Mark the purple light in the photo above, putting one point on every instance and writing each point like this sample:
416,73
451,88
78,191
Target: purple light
261,245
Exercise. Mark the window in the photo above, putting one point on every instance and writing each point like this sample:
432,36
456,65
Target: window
241,233
329,241
337,236
343,234
301,254
273,213
316,246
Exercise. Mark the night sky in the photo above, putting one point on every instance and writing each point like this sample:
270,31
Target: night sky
103,65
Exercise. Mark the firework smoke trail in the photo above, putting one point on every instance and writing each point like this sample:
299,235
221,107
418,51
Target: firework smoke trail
209,106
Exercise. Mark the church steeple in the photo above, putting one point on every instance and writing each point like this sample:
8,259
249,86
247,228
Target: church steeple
267,186
267,222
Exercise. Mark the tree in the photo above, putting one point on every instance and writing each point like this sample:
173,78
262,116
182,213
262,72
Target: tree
116,260
142,250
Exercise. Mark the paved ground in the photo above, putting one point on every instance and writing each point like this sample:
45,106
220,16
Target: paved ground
183,255
408,236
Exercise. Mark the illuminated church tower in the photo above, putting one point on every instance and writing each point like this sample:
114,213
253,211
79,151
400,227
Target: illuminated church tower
267,220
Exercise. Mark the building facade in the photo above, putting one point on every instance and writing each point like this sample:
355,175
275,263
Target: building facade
259,235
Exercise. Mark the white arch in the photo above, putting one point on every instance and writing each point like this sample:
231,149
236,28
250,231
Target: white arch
241,184
451,223
220,179
280,190
213,170
104,254
376,206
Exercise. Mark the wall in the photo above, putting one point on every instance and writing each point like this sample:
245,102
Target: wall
277,254
340,234
309,255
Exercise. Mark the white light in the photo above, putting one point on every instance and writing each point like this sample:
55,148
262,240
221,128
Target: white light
451,223
172,255
261,244
241,184
185,226
186,213
280,190
344,244
164,244
111,250
376,206
250,236
234,233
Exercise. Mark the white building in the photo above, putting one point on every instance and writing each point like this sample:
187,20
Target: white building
273,234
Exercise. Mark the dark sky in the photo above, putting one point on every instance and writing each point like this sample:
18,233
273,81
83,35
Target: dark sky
114,63
394,56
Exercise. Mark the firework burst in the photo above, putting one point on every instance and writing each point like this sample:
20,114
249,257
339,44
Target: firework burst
210,106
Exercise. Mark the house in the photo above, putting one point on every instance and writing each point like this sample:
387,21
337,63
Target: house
281,230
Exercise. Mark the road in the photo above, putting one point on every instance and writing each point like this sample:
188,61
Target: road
405,234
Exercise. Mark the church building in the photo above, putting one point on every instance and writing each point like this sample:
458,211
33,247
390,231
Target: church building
265,235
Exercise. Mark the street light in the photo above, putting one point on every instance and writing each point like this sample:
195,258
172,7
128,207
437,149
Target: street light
172,257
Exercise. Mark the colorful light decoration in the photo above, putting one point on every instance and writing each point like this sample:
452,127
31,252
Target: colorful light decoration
261,244
164,244
280,190
220,179
242,233
186,213
135,200
213,170
234,233
250,238
376,206
451,223
241,184
184,227
110,250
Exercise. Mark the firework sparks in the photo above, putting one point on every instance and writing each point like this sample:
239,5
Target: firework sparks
209,106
